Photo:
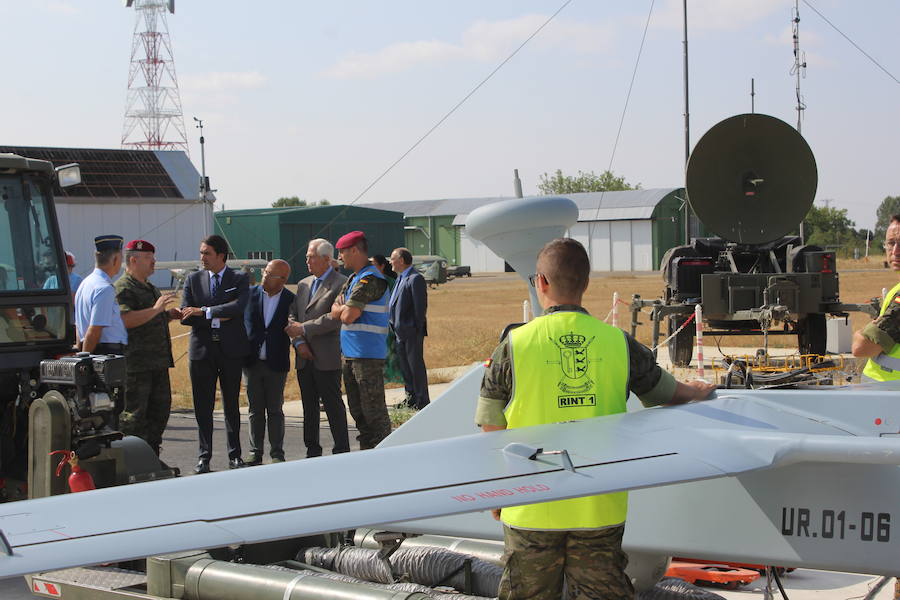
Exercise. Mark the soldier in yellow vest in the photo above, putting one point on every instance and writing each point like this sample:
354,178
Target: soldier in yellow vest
879,341
562,366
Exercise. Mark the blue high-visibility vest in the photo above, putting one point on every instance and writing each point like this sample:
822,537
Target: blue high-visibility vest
367,336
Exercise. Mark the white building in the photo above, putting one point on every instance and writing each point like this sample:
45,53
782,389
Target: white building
622,231
138,194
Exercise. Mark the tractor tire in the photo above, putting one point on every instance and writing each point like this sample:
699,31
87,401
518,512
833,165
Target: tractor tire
681,347
812,335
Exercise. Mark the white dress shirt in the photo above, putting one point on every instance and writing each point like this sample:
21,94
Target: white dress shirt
269,304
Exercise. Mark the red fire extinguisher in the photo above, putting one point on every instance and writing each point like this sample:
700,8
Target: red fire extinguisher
80,480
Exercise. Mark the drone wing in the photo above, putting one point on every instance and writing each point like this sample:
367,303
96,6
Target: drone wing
447,476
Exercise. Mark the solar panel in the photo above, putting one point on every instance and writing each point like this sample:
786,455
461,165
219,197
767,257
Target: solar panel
107,173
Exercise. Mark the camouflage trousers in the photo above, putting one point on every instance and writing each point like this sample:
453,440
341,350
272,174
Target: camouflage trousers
591,562
148,400
364,384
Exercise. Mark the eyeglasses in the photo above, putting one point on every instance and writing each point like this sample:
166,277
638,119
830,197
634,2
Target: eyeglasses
532,279
273,276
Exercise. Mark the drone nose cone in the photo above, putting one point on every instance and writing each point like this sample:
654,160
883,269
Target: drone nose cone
517,229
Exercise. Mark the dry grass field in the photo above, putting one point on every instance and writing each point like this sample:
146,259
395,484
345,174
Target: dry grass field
465,316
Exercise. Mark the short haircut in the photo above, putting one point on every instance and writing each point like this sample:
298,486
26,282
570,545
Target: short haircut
405,255
218,244
895,218
129,254
362,244
322,247
103,258
566,265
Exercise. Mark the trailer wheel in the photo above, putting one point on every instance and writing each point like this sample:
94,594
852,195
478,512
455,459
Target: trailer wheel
681,347
812,334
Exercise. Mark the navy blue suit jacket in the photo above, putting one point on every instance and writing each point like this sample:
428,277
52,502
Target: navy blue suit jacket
408,305
229,301
278,344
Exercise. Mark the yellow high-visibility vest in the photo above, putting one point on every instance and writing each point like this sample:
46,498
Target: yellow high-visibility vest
567,365
873,370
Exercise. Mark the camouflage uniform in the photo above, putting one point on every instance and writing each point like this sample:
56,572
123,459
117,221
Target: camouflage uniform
364,377
884,330
148,394
591,560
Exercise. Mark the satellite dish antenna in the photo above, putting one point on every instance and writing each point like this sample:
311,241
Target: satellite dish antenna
751,179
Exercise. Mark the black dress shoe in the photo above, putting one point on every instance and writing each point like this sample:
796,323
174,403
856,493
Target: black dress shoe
202,466
236,463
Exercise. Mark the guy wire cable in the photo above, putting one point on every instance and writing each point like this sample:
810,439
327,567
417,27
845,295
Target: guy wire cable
435,126
854,44
612,156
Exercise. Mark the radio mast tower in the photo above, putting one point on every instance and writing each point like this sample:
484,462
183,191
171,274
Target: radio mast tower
799,68
153,116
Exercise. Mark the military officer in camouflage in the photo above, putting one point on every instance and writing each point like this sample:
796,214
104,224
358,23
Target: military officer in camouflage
146,314
362,308
567,365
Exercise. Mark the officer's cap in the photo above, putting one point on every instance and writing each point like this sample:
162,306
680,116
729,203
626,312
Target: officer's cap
108,242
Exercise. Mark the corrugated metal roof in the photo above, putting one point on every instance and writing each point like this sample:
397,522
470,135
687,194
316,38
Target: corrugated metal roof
436,208
592,206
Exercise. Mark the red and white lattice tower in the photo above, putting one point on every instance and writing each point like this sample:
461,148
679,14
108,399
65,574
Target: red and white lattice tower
153,117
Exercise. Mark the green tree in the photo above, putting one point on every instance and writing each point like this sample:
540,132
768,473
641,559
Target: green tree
889,206
607,181
832,228
286,201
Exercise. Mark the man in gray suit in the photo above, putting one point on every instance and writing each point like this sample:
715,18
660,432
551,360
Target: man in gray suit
316,338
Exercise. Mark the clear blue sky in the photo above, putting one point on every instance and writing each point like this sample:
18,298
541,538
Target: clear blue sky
316,99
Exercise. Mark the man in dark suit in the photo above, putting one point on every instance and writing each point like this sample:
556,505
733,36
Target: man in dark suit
316,337
269,360
409,302
213,305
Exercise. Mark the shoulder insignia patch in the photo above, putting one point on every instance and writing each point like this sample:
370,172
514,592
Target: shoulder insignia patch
363,281
897,298
488,363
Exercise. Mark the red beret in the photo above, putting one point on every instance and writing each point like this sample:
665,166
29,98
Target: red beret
349,240
140,246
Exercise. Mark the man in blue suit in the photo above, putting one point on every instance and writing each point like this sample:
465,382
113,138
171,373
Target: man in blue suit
269,360
407,307
213,306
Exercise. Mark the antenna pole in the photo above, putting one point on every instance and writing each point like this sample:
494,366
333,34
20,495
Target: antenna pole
687,126
752,95
205,195
799,68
